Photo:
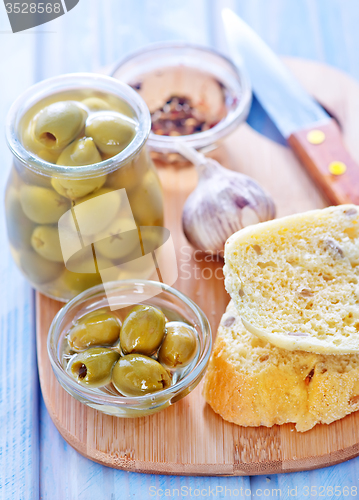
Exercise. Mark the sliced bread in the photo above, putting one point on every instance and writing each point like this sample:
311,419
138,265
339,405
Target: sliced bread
295,280
251,382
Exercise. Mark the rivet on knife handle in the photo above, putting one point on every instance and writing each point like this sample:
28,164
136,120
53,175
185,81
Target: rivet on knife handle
337,168
316,136
328,162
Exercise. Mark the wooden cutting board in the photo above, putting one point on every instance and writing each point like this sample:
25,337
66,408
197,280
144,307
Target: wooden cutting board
188,437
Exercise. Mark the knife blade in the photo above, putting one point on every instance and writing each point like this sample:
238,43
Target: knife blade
312,134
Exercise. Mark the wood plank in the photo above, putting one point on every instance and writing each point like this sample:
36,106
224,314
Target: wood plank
96,34
19,389
209,445
17,71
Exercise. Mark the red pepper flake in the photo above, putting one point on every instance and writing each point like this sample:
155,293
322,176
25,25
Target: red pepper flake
82,371
178,116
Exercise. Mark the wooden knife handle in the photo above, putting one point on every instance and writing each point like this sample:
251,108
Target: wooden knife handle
321,150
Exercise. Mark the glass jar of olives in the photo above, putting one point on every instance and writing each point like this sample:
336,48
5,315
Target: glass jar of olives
80,162
133,360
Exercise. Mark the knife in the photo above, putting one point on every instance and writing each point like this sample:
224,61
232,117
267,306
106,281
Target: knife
311,133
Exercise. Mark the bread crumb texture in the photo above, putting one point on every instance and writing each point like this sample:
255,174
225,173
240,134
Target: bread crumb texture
295,280
250,382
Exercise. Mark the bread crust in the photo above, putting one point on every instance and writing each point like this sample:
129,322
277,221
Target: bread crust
302,388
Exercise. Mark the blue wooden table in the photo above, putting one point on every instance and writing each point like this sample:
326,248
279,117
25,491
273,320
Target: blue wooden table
35,462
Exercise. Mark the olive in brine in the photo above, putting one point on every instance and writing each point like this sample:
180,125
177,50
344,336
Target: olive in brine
37,269
46,242
30,177
120,106
96,104
93,367
100,211
73,188
125,177
121,239
179,346
95,328
19,227
146,201
32,144
59,124
80,152
136,375
42,205
85,276
112,132
142,330
79,282
129,176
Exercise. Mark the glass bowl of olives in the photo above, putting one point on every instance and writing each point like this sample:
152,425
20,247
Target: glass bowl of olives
132,350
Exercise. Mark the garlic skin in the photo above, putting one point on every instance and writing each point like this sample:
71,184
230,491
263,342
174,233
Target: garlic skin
222,203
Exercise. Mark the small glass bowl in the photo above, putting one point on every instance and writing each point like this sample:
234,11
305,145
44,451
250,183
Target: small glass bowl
166,69
173,303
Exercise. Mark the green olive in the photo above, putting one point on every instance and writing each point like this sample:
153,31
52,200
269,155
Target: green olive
14,179
111,131
32,144
96,328
98,213
153,238
42,205
84,278
46,242
120,239
136,375
79,282
146,201
139,268
179,346
130,175
26,176
77,188
30,177
82,263
37,269
96,104
125,177
93,367
80,152
59,124
142,330
119,105
73,189
19,227
48,155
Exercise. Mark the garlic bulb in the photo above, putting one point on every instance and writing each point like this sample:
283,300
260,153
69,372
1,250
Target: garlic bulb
222,203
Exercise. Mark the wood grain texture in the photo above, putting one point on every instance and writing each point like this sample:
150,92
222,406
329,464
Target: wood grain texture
19,387
209,445
317,158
